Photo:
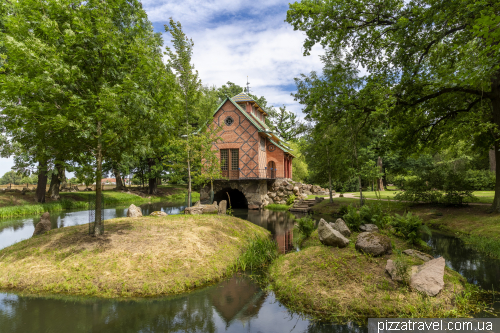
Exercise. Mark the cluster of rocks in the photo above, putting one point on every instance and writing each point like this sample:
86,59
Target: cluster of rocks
426,278
198,208
44,225
134,211
281,190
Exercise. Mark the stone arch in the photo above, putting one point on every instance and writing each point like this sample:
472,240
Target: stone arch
238,198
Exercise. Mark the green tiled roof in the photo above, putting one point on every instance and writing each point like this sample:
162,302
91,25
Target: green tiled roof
242,97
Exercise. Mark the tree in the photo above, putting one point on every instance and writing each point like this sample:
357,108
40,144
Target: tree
438,61
11,177
88,64
286,124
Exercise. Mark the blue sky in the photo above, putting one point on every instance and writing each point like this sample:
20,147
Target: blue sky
234,39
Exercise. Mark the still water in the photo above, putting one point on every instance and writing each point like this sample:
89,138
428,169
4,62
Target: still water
234,305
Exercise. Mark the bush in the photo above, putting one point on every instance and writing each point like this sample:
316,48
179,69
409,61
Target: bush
408,227
481,180
290,199
305,226
259,253
374,214
342,210
352,218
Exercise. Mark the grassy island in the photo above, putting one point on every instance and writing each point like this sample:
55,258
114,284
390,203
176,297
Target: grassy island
136,257
335,284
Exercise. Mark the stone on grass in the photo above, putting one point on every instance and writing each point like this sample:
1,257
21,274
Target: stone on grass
194,210
210,209
134,211
390,267
44,225
158,213
329,236
368,227
428,277
417,254
373,243
222,207
318,199
341,227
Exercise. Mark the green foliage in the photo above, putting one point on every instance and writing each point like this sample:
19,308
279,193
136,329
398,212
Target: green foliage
408,227
402,267
286,124
343,209
305,226
373,213
259,253
11,177
291,199
277,207
352,218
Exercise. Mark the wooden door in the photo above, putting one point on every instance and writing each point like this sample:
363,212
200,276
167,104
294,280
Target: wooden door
230,163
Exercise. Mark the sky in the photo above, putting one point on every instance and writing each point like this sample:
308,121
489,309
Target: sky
234,39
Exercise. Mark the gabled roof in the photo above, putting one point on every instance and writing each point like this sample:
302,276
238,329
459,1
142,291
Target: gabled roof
260,125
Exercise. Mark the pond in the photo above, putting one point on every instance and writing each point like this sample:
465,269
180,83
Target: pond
234,305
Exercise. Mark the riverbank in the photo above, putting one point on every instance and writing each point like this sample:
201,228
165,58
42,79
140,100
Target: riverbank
335,284
16,204
136,257
474,224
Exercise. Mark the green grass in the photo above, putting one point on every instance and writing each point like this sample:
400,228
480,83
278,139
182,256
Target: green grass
482,196
339,285
37,209
136,257
278,207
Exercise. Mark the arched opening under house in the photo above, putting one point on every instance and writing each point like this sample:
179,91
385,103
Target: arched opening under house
236,197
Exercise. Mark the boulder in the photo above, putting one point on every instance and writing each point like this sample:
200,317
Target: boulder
417,254
222,207
210,209
195,210
329,236
318,199
197,204
265,203
289,187
44,225
272,195
282,202
428,277
280,194
341,195
158,213
390,268
296,190
368,227
134,211
341,227
373,243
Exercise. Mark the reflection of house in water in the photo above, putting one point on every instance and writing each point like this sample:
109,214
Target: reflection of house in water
237,298
280,224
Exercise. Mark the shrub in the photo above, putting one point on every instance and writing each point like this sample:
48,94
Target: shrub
290,199
481,180
408,227
305,226
342,210
352,218
259,253
373,213
402,268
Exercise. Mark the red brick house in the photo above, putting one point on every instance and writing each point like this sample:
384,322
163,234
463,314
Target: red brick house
249,149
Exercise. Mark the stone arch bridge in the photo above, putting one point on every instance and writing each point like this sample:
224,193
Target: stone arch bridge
257,193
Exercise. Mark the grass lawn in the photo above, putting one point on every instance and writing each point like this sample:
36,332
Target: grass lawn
482,196
343,284
136,257
16,204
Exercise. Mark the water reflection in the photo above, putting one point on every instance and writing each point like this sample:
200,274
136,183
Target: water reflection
235,305
280,224
476,267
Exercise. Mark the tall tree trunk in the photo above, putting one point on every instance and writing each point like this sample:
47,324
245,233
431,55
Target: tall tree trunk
99,226
152,180
329,175
495,109
380,181
118,177
55,181
42,181
493,161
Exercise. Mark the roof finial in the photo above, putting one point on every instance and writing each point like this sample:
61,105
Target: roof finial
248,86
